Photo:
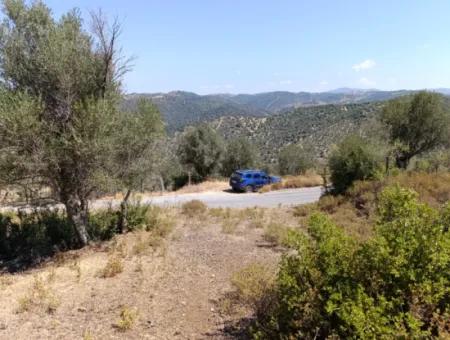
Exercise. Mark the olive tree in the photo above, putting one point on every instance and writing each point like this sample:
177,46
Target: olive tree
239,154
134,154
200,148
58,105
294,160
416,124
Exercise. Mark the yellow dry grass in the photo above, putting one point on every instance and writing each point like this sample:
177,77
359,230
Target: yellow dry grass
292,182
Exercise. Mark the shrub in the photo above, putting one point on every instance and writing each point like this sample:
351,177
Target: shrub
103,224
193,208
34,234
354,159
394,285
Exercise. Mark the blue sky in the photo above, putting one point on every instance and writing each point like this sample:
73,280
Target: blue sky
251,46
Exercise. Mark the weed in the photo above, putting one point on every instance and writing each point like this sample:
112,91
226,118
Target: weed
127,319
87,335
113,267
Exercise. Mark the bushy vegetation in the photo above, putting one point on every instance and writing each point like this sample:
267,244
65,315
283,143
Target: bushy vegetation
353,159
294,160
27,237
395,284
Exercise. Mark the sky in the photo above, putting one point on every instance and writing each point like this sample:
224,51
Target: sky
251,46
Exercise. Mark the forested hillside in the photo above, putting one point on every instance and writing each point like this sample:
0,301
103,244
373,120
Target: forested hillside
180,108
316,126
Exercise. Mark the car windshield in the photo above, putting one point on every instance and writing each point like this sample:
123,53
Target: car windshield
236,175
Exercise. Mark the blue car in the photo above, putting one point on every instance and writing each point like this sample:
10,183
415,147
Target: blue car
251,180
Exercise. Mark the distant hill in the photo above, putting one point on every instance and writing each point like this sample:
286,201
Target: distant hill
317,126
181,108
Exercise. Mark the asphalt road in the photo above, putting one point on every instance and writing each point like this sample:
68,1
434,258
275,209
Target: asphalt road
223,199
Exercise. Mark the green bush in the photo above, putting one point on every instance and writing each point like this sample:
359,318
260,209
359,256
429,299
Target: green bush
395,285
29,236
354,159
34,234
294,160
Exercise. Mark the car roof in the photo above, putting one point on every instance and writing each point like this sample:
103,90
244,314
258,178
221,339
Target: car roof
248,171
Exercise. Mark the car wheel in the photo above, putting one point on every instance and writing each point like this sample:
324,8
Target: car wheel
248,188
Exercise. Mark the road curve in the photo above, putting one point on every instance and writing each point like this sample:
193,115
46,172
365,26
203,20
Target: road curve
272,199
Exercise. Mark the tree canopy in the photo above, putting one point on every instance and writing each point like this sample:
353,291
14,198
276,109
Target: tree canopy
416,124
201,148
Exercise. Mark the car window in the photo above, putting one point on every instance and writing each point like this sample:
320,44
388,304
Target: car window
256,176
265,177
248,176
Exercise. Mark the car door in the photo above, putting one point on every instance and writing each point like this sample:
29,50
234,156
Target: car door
257,178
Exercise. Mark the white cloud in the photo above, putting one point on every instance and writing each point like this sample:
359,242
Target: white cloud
286,82
323,82
366,82
364,65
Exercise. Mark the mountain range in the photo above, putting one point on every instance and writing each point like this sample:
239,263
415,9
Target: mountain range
180,108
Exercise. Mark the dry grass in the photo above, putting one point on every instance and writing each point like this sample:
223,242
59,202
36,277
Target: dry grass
127,320
194,208
39,297
5,280
276,233
229,225
209,185
113,267
294,182
253,288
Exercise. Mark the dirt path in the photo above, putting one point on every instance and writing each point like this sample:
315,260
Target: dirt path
175,292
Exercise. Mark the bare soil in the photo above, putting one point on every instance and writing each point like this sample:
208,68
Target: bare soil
175,290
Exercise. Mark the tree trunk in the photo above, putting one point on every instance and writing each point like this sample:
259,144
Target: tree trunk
402,161
122,224
77,212
161,181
